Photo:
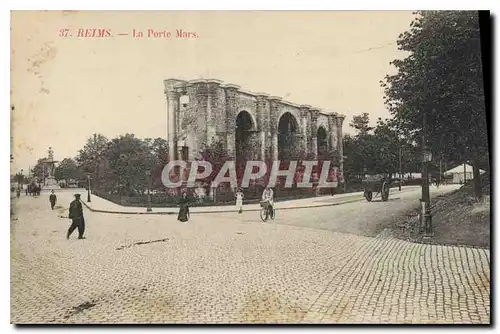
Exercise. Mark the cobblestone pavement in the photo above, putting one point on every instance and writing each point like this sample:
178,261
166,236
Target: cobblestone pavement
228,268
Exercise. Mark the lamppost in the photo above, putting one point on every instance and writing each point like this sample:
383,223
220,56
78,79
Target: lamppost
344,157
400,166
88,188
148,174
400,139
19,178
426,217
440,168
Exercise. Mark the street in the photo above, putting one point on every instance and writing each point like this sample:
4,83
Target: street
330,264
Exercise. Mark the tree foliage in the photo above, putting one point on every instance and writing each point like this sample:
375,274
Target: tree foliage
38,171
361,123
216,155
377,150
91,159
442,78
19,178
130,164
125,165
158,148
67,170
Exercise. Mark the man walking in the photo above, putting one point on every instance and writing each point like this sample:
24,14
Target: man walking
239,200
52,200
76,215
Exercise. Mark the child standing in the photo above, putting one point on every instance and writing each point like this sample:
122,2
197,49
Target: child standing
239,200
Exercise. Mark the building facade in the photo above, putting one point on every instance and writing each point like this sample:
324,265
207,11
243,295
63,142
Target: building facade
250,126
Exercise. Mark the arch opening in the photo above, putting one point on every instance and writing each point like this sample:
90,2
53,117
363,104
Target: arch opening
288,141
322,141
243,136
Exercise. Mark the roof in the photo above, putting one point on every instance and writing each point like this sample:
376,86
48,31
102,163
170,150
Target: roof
460,169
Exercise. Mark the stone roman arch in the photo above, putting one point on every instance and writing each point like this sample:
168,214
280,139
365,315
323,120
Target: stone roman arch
210,111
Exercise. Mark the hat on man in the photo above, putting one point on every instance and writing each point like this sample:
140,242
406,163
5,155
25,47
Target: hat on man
77,195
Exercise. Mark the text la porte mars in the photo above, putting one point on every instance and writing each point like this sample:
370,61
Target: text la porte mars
152,33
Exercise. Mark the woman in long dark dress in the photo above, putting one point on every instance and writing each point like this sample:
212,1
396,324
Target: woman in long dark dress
183,208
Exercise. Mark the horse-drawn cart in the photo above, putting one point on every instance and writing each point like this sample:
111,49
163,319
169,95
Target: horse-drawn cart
380,184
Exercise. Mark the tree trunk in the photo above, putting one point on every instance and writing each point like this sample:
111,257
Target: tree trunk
478,194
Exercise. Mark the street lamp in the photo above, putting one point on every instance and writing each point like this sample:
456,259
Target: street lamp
344,181
426,217
401,138
400,166
88,188
19,178
148,174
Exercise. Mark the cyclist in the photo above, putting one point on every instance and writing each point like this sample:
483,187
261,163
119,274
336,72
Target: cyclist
268,196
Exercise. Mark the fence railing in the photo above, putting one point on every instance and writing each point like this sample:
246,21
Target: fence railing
221,196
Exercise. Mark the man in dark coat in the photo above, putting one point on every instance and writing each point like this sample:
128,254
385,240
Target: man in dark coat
183,215
76,215
52,200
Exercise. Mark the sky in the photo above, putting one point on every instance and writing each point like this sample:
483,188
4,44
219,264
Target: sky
65,88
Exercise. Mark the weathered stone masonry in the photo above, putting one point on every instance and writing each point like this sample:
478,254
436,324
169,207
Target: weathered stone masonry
201,112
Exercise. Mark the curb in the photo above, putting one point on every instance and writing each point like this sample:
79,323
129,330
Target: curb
218,211
221,211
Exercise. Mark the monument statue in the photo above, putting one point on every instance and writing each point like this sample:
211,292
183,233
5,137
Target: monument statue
51,153
50,164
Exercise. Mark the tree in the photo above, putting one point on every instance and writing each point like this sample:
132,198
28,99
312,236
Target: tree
375,150
130,163
125,165
216,155
39,172
361,123
158,148
388,143
67,170
92,157
442,77
20,178
352,168
360,149
331,155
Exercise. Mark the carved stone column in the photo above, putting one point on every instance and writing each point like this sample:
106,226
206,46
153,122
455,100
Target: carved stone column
314,131
231,110
262,123
172,120
274,102
211,129
332,132
304,111
172,87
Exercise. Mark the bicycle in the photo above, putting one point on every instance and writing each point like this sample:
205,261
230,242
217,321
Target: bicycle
265,212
